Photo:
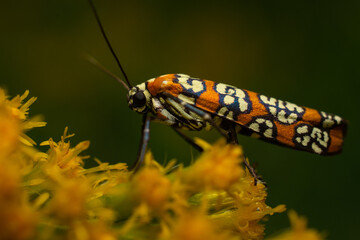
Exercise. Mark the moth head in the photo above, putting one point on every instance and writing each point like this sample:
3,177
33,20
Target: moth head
137,99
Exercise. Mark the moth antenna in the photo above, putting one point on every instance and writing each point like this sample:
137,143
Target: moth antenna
105,70
109,45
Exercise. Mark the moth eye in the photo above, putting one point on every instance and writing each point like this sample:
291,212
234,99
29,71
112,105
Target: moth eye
139,99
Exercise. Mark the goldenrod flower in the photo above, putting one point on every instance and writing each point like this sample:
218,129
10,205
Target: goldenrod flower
10,127
70,199
219,167
18,218
152,188
50,195
197,226
15,212
17,112
298,231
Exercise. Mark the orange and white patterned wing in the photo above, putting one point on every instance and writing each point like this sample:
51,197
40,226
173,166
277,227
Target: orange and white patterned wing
260,116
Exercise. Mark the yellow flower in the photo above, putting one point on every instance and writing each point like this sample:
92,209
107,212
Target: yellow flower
9,134
152,188
196,226
64,157
18,111
10,128
240,209
17,218
298,231
70,199
10,181
91,231
236,204
51,195
217,168
251,207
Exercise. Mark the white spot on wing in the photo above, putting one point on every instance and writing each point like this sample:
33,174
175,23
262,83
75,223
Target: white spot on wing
268,133
260,120
229,100
281,104
243,105
220,88
313,138
272,110
292,117
232,94
337,119
269,124
255,127
283,111
302,130
305,141
316,148
195,86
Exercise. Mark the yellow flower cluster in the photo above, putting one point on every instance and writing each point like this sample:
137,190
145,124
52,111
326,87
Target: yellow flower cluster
50,195
299,230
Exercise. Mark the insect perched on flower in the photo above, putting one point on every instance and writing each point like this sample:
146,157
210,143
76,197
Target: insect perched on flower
184,102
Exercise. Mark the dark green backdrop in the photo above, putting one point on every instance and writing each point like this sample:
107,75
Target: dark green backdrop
306,52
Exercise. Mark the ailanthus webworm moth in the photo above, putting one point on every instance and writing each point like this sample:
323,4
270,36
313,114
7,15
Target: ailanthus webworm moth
183,102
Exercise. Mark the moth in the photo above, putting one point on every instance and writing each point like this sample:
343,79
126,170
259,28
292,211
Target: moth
186,103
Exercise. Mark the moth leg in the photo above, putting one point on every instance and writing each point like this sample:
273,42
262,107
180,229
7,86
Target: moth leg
204,115
188,140
145,136
253,173
232,135
232,139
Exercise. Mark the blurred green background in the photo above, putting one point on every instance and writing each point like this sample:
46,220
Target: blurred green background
306,52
